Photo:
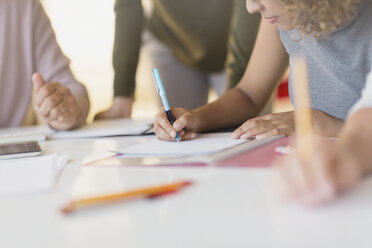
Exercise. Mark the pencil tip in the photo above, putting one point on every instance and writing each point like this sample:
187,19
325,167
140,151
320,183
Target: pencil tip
67,209
187,183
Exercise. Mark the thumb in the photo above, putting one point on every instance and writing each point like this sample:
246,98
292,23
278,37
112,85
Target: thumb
38,81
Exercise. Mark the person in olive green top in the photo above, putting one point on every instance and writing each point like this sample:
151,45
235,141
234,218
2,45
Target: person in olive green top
189,41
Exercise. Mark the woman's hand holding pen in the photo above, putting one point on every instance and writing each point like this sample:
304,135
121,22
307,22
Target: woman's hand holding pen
185,124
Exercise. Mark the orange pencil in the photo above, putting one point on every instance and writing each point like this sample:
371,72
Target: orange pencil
123,196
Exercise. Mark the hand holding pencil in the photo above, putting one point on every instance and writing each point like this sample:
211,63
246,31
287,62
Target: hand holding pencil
331,171
319,169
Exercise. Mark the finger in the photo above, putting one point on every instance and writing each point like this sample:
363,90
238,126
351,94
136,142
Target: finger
189,136
73,110
319,188
161,133
254,132
38,81
272,133
58,125
49,103
250,124
299,179
308,195
182,122
69,116
163,122
45,91
325,175
302,178
58,110
66,121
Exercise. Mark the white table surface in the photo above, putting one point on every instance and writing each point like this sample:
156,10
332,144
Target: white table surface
226,207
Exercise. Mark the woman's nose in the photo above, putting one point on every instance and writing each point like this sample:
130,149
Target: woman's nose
253,6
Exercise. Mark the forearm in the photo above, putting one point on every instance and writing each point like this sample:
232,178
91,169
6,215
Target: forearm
268,62
242,37
128,30
356,138
53,66
231,109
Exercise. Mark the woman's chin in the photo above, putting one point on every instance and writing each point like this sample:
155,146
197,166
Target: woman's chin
285,26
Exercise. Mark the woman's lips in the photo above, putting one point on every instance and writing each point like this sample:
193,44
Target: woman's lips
272,20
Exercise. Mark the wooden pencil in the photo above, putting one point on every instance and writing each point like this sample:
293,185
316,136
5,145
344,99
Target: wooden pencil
123,196
303,117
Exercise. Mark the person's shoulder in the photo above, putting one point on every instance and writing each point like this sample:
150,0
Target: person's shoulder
364,16
360,27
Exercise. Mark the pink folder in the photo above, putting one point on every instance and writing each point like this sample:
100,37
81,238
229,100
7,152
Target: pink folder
260,157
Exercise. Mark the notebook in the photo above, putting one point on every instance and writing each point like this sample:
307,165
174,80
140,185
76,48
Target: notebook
221,157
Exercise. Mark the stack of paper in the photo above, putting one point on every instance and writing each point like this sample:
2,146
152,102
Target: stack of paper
30,175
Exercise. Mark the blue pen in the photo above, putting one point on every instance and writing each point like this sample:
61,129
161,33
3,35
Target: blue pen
163,96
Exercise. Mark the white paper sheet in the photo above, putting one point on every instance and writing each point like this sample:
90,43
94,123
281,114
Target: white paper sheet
30,175
105,128
198,146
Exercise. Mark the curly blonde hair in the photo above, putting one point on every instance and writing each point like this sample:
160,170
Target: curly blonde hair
320,17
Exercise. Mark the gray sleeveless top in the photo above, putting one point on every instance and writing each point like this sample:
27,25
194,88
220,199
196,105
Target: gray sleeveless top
338,64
